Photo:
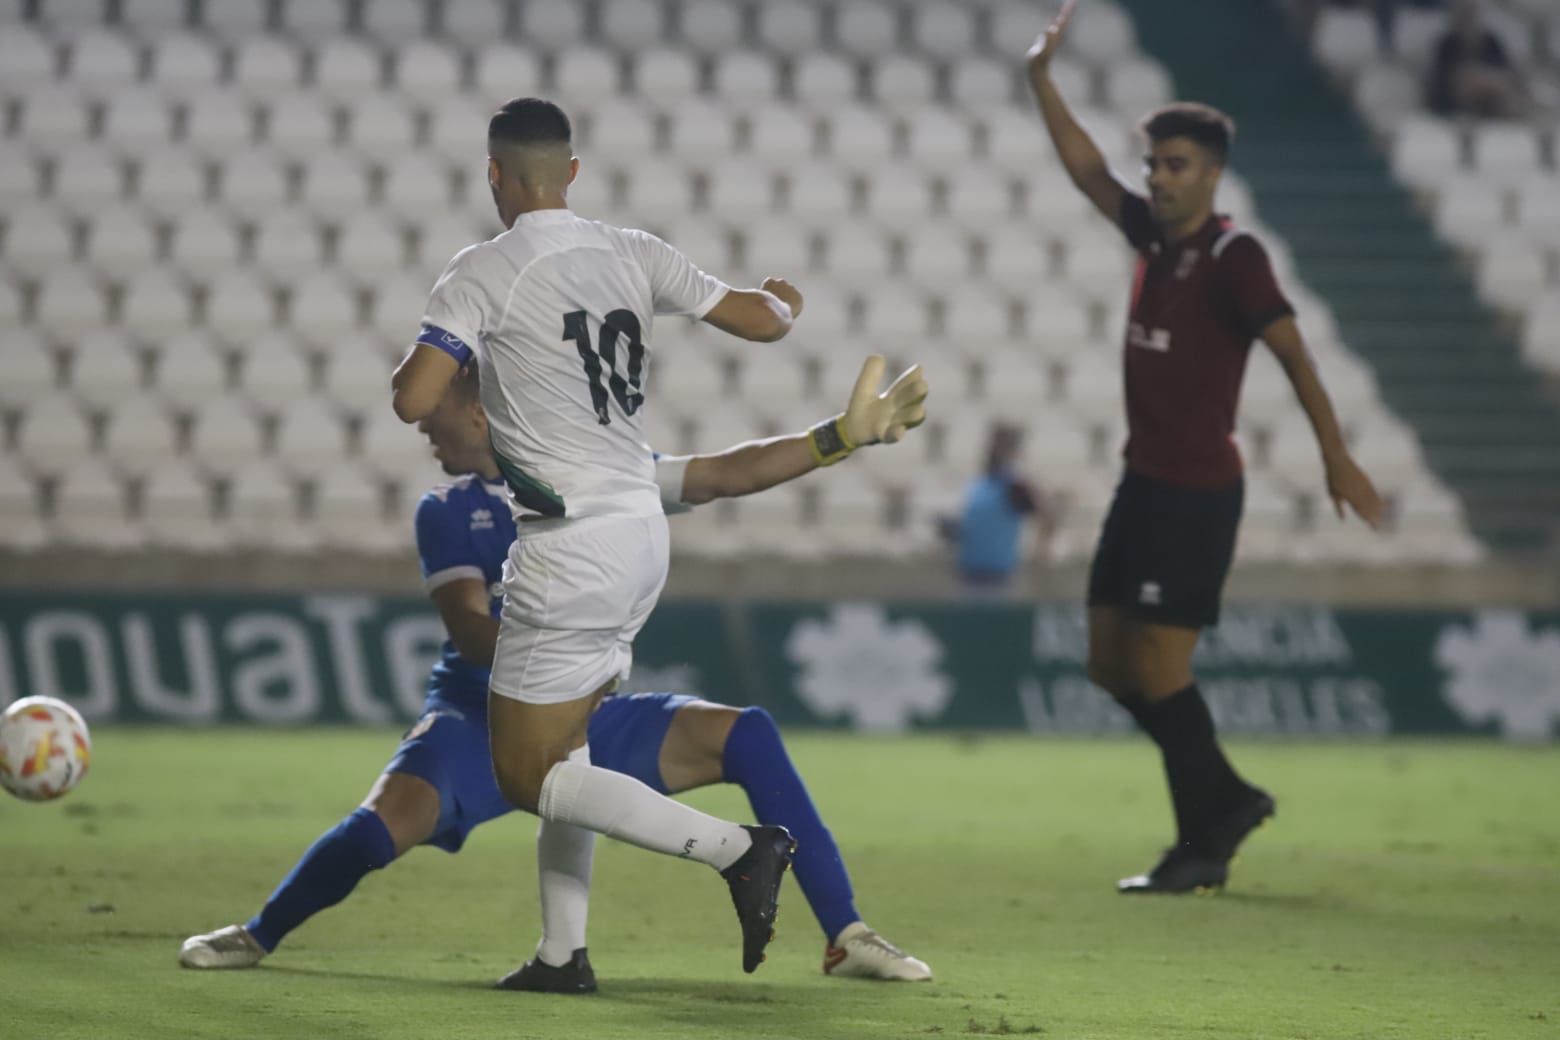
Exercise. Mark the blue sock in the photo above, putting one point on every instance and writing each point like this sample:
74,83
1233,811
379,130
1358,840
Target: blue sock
324,876
756,759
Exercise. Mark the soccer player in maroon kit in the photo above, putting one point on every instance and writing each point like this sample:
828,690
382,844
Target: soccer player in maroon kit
1204,289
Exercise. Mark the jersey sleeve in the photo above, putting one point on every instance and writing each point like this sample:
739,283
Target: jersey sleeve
444,546
1254,293
1136,221
670,472
677,285
456,313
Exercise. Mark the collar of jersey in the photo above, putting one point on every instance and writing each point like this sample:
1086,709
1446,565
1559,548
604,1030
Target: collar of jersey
545,216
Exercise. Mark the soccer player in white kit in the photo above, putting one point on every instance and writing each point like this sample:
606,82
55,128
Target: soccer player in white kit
557,311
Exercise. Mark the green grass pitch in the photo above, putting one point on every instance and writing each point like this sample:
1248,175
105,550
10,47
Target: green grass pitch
1405,890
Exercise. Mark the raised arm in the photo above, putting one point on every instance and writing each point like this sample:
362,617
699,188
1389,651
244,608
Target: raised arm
870,418
763,315
1081,157
1347,483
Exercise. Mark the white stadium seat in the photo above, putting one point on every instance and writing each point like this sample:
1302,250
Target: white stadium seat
701,133
866,28
262,509
859,260
437,243
1541,333
184,64
631,25
333,183
87,180
740,191
70,304
942,28
395,21
273,376
235,22
266,65
979,198
775,248
940,139
311,437
101,59
397,307
218,122
552,27
53,435
1016,259
1426,151
859,138
21,526
240,312
380,127
251,184
790,29
347,69
154,19
91,509
286,244
203,244
119,242
937,257
1386,94
663,77
1469,209
617,130
187,370
357,370
170,182
416,184
371,245
349,514
781,136
176,510
1538,210
224,434
1102,34
980,84
137,120
1512,273
314,19
586,75
1016,142
72,15
1507,153
138,435
899,202
503,71
298,126
475,22
424,69
322,309
710,26
745,78
37,240
1345,39
26,58
902,84
822,82
154,305
52,116
30,375
818,192
1137,86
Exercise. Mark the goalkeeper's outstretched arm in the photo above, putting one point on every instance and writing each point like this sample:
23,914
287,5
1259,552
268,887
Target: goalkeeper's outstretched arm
869,418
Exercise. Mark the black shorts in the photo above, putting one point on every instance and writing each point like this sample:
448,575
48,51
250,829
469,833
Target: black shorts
1165,551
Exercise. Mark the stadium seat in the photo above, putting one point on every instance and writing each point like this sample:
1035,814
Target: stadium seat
203,243
979,198
184,64
903,85
154,305
775,247
119,242
1469,209
26,58
70,304
783,137
818,192
866,28
138,434
1506,153
91,510
587,76
1098,265
789,29
937,256
252,184
1386,94
224,435
347,69
745,79
240,311
308,20
416,184
1538,210
380,128
235,23
942,28
186,371
264,66
169,183
136,120
1137,86
708,245
262,509
72,15
897,201
940,140
322,309
394,450
632,25
177,511
274,377
1345,40
1016,141
1425,152
856,257
52,116
1102,34
552,27
1014,25
371,245
663,77
37,241
617,131
21,508
974,318
87,180
740,191
1541,333
980,85
1016,259
298,126
333,183
154,19
395,21
710,26
860,139
101,59
1512,273
424,70
349,514
474,23
217,123
53,436
700,133
503,71
439,241
822,82
311,437
357,371
396,308
29,376
1093,380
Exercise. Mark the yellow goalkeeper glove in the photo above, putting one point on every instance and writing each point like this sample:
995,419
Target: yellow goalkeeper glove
871,417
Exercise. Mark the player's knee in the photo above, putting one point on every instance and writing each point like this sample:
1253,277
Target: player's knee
520,781
1107,676
759,722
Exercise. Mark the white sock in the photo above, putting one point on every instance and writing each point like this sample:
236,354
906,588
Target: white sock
623,808
563,859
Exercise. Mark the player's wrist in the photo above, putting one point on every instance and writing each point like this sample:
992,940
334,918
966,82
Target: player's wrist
830,442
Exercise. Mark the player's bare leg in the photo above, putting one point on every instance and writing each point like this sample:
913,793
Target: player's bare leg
697,752
406,809
532,745
1214,808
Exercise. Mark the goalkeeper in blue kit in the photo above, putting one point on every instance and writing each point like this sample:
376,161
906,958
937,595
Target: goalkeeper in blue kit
439,786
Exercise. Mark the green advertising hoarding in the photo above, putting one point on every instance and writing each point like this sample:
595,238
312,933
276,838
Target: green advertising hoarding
1299,671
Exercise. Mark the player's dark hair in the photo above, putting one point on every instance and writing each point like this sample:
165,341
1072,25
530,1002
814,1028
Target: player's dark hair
530,121
1204,124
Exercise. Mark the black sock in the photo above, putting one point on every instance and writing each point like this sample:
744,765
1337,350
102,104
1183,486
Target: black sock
1202,781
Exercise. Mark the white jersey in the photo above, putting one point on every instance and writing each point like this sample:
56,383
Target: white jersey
558,312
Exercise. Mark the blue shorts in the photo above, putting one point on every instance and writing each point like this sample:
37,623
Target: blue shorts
450,752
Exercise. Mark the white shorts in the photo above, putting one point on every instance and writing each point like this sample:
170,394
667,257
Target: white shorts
576,593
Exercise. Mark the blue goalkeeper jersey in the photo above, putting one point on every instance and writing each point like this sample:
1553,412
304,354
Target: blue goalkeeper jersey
464,530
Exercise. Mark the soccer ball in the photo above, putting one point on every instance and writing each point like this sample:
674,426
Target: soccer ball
44,748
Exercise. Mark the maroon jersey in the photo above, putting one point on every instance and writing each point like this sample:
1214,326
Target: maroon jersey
1196,307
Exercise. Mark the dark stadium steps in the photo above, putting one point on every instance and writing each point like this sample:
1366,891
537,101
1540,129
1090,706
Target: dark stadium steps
1403,300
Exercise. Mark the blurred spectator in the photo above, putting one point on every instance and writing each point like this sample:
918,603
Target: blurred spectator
995,508
1471,73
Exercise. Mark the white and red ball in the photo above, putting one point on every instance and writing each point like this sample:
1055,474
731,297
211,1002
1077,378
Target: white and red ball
45,748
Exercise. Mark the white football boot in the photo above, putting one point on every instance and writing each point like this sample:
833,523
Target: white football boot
230,947
860,953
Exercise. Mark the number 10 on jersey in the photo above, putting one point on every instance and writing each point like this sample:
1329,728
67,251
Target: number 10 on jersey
602,357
